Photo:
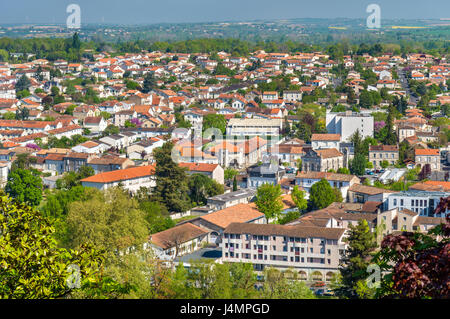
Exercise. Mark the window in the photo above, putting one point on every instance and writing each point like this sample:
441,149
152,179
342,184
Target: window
395,202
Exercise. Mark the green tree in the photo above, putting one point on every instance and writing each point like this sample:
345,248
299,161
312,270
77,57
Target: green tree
391,136
298,197
268,201
343,170
214,121
110,130
76,43
229,173
9,115
358,164
384,164
201,187
24,83
321,195
112,221
149,82
33,267
365,99
25,186
277,286
171,181
357,257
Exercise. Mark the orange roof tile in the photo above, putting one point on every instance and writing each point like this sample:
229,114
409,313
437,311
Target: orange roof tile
121,175
240,213
426,151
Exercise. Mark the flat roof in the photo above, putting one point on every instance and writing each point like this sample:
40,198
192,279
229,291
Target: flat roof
242,193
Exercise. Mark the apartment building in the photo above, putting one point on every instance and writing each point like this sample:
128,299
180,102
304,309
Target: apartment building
380,153
422,202
347,123
406,220
359,193
254,127
313,252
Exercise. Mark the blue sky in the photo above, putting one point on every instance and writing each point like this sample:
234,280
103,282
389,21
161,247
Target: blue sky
158,11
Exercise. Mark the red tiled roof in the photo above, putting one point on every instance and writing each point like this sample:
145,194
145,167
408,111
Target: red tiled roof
199,167
426,151
121,175
240,213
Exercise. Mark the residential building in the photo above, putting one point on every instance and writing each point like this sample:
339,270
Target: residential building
322,160
422,202
254,127
242,196
217,221
313,252
266,173
341,181
95,124
359,193
131,179
347,123
178,241
380,153
319,141
430,156
213,171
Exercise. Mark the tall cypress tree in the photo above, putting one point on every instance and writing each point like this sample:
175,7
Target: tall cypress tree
353,267
234,184
171,181
391,137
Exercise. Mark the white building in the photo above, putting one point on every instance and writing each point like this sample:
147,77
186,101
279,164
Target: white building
347,123
254,127
421,202
131,178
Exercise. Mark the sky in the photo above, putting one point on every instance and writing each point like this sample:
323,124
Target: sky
178,11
